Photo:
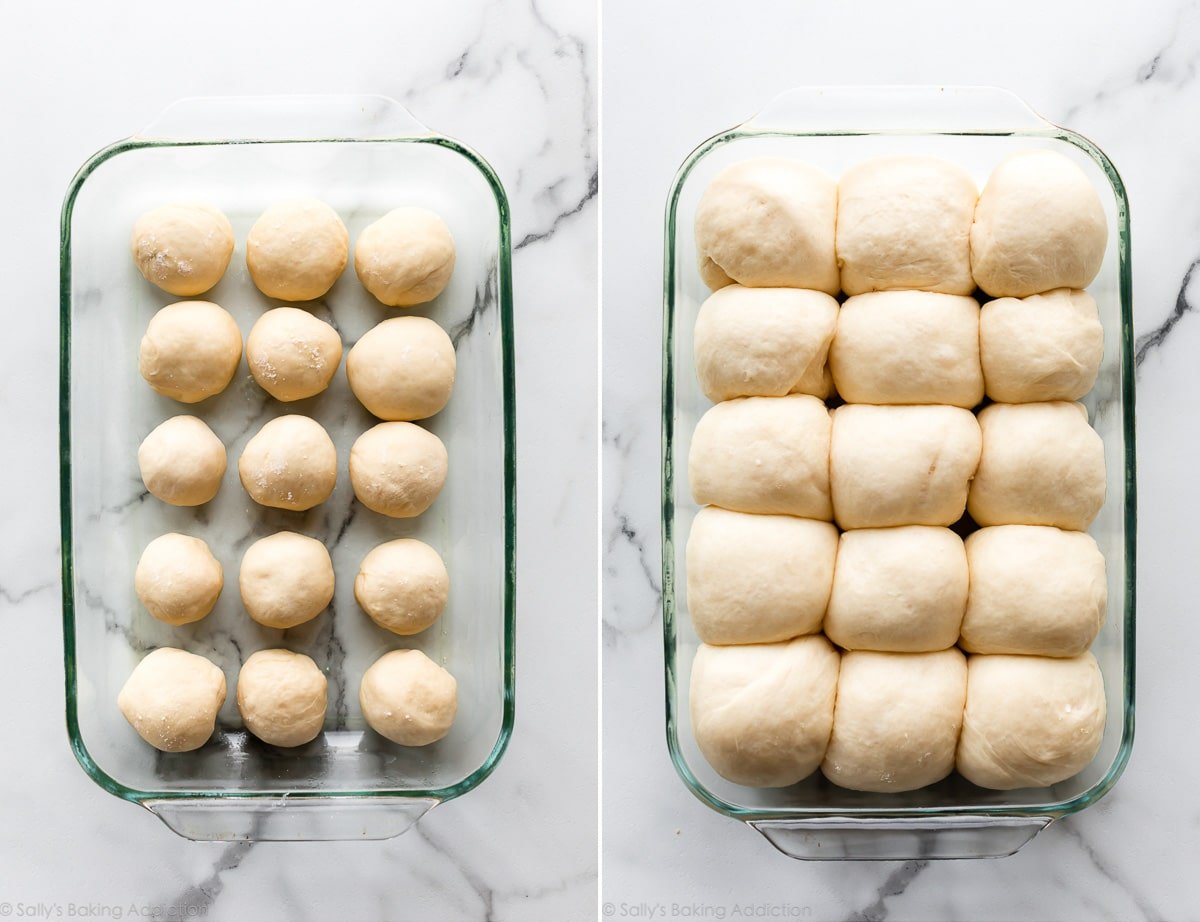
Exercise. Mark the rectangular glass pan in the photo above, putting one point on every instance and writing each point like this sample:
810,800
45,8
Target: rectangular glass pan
834,129
364,156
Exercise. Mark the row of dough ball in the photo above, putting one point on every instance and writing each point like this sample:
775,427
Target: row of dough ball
769,715
902,222
172,698
296,250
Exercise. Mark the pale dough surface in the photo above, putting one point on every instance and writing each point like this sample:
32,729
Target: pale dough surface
282,697
398,469
297,249
190,350
184,249
406,257
286,579
172,698
408,698
292,354
403,586
182,461
290,463
403,369
178,579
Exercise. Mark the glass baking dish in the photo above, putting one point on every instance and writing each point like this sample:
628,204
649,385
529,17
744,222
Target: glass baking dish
364,156
835,128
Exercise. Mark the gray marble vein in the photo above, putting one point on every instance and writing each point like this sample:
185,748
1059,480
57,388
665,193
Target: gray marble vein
896,883
1154,339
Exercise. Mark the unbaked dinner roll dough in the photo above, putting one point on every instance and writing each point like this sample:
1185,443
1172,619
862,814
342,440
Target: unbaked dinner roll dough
908,347
901,465
406,257
398,469
768,223
763,454
190,351
1042,464
292,354
761,713
897,719
286,579
182,461
403,586
1039,225
183,249
1030,721
757,578
282,697
408,698
172,698
905,222
1034,590
178,579
403,369
901,589
289,464
297,249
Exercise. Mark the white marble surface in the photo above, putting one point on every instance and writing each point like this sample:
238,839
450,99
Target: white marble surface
673,75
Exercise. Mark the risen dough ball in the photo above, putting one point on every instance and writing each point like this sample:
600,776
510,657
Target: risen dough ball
1030,721
182,461
290,464
763,454
402,369
403,586
296,250
1034,590
183,249
282,696
172,698
286,579
1042,464
898,589
406,257
408,698
908,347
897,720
761,713
768,223
292,354
398,469
178,579
901,465
764,342
190,351
1039,225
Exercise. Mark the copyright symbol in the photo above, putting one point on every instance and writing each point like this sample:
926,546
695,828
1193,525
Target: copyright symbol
609,909
6,909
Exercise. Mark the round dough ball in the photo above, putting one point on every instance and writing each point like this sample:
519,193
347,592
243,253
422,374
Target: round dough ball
190,351
398,469
403,586
758,578
408,698
764,342
768,223
765,455
1030,721
1041,348
1042,464
897,719
762,713
901,465
402,369
183,249
297,249
406,257
172,698
1039,225
290,464
1034,590
282,697
905,222
902,590
182,461
178,579
292,354
908,347
286,579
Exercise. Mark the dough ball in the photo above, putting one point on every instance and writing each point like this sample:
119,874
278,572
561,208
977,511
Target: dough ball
908,347
398,469
190,351
897,719
1030,721
408,698
1034,590
282,696
403,586
901,589
768,223
182,461
290,464
1042,464
1040,348
1039,225
905,222
758,578
901,465
406,257
292,354
172,698
762,713
763,454
402,369
178,579
764,342
297,249
183,249
286,579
